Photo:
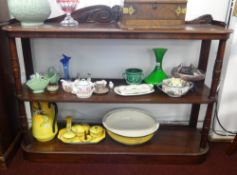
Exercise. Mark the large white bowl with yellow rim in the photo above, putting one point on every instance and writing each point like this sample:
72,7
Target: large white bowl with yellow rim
130,126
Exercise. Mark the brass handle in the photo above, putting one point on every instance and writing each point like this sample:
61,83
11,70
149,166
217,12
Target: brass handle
128,10
181,10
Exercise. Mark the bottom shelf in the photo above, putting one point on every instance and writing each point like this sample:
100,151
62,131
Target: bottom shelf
171,144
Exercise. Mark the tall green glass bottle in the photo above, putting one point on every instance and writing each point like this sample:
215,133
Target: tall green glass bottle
157,75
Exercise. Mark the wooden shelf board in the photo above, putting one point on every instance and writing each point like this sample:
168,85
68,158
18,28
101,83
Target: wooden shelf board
170,143
198,96
113,31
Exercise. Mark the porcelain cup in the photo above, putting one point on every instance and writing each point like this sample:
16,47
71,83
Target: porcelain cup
100,85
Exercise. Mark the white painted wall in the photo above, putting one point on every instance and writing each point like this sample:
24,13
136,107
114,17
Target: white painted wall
217,8
111,57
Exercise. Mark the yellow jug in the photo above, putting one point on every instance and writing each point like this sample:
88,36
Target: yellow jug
44,121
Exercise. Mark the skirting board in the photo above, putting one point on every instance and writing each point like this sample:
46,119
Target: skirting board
217,138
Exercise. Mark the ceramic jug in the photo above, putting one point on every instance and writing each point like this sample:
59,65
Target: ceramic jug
29,12
44,125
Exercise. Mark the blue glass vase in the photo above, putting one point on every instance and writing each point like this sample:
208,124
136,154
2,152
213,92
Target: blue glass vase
65,62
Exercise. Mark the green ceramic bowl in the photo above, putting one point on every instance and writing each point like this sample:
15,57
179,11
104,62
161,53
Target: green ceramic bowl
37,85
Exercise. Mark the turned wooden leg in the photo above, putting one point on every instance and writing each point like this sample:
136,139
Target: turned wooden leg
17,78
215,82
233,147
202,65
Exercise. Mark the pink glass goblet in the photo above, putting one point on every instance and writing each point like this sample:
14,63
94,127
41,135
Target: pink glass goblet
68,6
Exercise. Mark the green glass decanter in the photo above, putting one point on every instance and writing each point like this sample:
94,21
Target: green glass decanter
157,75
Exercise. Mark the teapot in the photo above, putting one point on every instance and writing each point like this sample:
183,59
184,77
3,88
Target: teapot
83,88
44,125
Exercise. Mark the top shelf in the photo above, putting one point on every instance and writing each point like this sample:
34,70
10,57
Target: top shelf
113,31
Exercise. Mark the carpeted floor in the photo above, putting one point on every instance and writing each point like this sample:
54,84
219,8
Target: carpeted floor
217,163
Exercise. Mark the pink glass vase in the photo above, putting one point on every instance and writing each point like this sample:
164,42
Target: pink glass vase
68,6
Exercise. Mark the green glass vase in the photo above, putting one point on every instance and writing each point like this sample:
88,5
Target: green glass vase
157,75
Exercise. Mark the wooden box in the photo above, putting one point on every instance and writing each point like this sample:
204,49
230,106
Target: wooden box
153,13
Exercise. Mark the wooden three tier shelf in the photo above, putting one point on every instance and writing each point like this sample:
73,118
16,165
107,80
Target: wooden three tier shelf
172,144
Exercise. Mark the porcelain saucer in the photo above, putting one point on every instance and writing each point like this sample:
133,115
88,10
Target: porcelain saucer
103,91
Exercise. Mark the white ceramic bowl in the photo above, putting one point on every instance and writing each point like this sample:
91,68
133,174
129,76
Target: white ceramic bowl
130,122
53,88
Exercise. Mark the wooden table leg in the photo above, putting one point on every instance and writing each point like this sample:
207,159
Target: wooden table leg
233,147
202,65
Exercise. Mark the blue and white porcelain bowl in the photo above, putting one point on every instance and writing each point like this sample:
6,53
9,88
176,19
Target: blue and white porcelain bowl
176,87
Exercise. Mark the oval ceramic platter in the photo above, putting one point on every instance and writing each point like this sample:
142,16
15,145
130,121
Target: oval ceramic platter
134,90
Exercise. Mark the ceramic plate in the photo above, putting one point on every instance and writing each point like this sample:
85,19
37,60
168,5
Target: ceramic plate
133,90
130,122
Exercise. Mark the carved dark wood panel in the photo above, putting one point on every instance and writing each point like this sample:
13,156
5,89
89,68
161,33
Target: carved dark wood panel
206,19
93,14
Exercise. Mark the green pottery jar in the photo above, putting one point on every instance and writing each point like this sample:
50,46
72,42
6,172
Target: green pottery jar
29,12
133,75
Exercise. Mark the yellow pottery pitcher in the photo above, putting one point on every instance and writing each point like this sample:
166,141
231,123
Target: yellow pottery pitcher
44,125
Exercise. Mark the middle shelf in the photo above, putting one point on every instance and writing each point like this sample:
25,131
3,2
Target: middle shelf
199,95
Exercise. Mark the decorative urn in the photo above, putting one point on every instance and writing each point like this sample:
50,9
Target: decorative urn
29,12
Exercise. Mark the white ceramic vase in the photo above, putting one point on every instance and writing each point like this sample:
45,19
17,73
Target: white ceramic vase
29,12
